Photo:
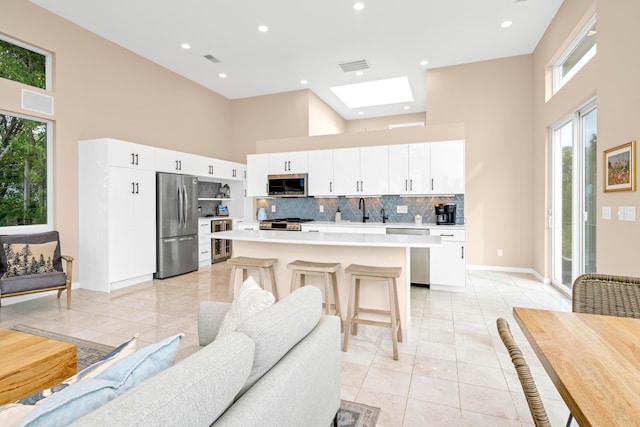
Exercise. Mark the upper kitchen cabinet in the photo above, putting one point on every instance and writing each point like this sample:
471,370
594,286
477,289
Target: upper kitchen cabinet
361,171
292,162
321,173
447,167
228,170
176,162
409,169
127,154
257,171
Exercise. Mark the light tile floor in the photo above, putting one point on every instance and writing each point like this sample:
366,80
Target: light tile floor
453,368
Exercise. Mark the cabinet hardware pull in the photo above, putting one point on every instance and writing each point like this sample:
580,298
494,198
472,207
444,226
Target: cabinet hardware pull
133,158
406,187
136,159
446,235
330,187
411,185
133,188
285,165
463,252
361,186
432,184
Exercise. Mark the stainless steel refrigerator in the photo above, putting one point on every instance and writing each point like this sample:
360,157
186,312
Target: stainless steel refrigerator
177,224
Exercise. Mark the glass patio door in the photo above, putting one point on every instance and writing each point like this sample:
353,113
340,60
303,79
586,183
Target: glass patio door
572,217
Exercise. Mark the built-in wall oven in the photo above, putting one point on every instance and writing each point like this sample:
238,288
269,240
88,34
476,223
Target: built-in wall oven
220,248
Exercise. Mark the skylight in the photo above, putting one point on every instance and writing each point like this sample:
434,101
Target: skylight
377,92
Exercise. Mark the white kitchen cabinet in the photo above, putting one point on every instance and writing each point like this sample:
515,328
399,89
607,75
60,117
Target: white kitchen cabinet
321,173
361,171
289,162
248,226
228,170
132,217
204,241
177,162
257,171
409,169
310,228
117,214
447,262
447,167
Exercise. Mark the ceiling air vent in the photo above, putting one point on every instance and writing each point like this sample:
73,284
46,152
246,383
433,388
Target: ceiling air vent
360,64
212,59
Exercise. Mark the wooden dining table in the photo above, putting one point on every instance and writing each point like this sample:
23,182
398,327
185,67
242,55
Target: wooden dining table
593,361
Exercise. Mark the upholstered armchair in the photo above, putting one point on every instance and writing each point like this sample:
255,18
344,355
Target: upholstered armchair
32,263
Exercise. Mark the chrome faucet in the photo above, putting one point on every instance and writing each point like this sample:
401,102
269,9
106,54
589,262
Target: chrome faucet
361,205
384,217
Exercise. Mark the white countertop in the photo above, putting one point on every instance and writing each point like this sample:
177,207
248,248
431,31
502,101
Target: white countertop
332,239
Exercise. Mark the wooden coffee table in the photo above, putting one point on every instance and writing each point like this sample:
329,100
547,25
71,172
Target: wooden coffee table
29,363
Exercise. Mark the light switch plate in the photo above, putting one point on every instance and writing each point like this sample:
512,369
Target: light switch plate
273,208
402,209
606,212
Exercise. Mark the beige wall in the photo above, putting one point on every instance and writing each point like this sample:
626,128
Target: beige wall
382,123
494,101
443,132
618,122
102,90
280,115
322,119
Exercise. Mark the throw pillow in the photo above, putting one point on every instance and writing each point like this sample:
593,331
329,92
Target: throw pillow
25,258
249,300
12,413
66,406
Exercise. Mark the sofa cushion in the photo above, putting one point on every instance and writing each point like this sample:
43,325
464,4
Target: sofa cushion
79,399
24,259
277,329
193,392
249,300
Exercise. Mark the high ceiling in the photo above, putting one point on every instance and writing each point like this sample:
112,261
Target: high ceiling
307,40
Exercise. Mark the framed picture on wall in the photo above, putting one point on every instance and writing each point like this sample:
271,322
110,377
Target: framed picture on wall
620,168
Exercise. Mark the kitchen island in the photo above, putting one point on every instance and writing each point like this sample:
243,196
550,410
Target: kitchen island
384,250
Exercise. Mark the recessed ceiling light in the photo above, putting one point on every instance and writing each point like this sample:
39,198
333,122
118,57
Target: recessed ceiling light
358,6
359,73
423,63
222,75
185,46
303,82
406,107
377,92
263,28
361,112
506,24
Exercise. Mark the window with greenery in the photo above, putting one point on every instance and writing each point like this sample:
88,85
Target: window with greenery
23,65
23,171
579,52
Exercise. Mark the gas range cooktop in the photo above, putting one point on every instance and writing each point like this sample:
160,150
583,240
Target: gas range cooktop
284,224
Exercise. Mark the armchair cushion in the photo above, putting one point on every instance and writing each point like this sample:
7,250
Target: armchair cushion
11,285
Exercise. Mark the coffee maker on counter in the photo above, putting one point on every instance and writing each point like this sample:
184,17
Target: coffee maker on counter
445,213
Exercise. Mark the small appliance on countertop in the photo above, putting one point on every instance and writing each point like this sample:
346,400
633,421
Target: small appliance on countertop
445,213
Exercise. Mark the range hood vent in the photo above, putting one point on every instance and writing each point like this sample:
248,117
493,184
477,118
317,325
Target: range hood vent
360,64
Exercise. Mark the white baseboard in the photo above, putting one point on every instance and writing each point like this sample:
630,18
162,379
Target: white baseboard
531,271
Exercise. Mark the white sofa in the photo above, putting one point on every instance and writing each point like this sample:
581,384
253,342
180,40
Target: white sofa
281,367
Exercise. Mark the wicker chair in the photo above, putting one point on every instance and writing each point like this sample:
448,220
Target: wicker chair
536,407
609,295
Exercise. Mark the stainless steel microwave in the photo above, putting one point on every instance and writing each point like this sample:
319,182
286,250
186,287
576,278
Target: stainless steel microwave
288,185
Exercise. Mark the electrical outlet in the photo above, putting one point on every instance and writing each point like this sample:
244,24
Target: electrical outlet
402,209
499,252
321,208
273,208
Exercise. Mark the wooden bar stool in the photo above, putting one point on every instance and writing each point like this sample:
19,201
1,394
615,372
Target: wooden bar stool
385,274
246,264
300,269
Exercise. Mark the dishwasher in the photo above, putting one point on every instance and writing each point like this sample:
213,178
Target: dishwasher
419,256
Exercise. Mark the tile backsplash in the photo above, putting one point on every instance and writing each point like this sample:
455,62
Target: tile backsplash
309,208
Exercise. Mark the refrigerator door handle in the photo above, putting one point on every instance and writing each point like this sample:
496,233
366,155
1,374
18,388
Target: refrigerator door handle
179,207
185,205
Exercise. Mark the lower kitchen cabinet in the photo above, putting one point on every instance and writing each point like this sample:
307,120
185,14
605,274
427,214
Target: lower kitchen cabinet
204,242
447,262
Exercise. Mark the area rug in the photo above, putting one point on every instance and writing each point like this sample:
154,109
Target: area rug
87,352
351,414
354,414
